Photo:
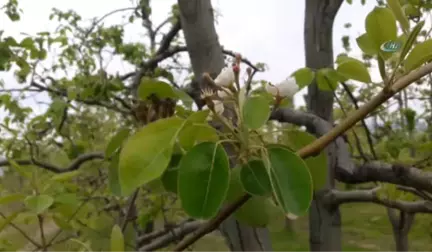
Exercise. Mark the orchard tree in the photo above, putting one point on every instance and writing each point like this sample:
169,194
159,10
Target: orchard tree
145,160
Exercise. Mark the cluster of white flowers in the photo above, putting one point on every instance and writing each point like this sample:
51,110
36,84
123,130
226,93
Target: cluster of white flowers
286,88
226,78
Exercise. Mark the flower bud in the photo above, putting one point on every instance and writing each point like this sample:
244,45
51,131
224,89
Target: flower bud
286,88
225,78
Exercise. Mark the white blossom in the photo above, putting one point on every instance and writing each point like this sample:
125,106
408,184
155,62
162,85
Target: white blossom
286,88
225,93
218,107
225,78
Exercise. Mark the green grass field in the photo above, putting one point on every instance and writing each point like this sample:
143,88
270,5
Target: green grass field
365,227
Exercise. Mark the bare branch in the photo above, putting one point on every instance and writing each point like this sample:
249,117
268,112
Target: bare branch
172,235
357,196
74,165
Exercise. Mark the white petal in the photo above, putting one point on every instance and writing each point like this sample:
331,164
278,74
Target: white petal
271,89
291,216
224,93
288,87
218,106
225,78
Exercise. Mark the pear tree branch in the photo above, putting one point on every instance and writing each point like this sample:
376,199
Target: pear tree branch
317,146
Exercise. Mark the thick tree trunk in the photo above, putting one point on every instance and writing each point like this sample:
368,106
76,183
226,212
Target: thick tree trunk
324,221
401,225
205,53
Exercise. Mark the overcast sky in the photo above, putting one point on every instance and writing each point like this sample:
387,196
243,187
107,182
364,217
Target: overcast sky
268,31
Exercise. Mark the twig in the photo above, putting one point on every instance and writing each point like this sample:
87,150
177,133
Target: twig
130,210
74,165
172,235
21,232
363,122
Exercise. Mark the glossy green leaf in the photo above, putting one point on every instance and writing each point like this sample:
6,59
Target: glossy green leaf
20,169
170,176
291,180
61,177
146,154
203,180
117,239
317,165
411,39
197,130
355,70
39,203
326,80
255,179
396,8
303,76
420,54
184,97
381,26
252,212
116,141
11,198
366,45
150,86
256,112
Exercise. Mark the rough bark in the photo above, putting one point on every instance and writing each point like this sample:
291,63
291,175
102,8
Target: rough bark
205,53
324,222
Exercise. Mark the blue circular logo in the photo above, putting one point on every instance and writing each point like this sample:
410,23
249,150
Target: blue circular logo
391,46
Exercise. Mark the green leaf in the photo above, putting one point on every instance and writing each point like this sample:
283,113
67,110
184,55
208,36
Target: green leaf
65,176
113,175
326,80
257,211
11,198
204,175
399,14
184,97
146,154
381,26
39,203
196,130
317,165
303,76
366,45
150,86
420,54
20,169
170,176
291,180
255,179
117,239
27,43
411,39
116,141
256,112
354,69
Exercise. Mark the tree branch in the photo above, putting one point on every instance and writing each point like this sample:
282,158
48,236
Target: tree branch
171,235
356,196
317,146
74,165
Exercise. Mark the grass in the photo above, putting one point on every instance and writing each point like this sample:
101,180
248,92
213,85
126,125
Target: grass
365,227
